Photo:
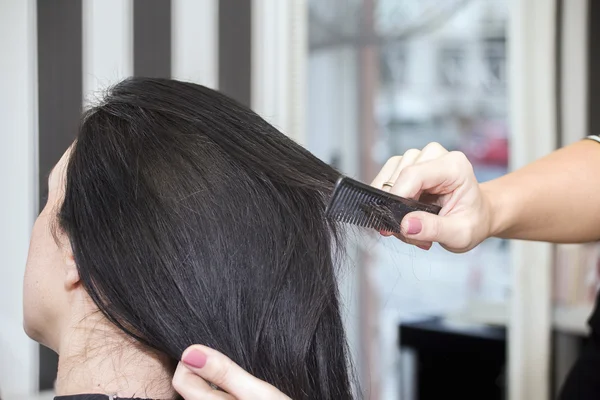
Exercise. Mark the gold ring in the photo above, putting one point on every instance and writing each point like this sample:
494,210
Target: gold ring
390,184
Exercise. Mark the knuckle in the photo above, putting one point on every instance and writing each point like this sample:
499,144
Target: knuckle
411,152
179,381
221,374
463,238
434,146
394,160
410,176
407,183
436,229
407,173
459,157
458,163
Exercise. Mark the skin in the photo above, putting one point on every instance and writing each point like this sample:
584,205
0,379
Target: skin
560,206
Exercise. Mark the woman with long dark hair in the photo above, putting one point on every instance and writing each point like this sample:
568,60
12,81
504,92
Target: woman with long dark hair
180,217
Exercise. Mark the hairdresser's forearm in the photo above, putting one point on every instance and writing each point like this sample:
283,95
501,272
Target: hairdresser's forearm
554,199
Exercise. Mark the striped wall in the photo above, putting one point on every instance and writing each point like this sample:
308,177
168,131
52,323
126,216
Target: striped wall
85,46
55,58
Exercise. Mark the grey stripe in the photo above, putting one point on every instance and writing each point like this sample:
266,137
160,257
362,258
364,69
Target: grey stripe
558,45
60,98
235,40
593,66
152,38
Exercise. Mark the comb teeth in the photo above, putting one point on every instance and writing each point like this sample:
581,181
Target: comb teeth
355,203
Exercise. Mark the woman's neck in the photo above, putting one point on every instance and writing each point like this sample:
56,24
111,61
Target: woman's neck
95,357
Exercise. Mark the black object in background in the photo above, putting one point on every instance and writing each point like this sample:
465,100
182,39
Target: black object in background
456,363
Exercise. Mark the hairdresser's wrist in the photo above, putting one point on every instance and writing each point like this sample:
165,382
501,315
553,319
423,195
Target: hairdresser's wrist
497,213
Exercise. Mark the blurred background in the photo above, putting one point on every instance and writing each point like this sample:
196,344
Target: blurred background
356,82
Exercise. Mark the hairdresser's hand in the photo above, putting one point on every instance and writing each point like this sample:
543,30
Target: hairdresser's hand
200,366
444,178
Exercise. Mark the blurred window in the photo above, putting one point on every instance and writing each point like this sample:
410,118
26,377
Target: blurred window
385,76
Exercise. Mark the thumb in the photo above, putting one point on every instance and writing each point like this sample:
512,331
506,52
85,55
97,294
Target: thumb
451,232
218,369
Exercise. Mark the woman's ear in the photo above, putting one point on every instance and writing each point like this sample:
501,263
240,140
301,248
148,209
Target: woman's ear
71,271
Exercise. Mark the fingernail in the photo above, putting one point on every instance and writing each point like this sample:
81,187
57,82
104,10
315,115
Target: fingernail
194,358
413,226
423,246
385,233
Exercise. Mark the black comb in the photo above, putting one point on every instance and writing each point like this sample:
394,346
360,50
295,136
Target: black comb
355,203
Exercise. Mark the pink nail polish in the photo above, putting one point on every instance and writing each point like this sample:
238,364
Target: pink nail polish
424,247
414,226
194,358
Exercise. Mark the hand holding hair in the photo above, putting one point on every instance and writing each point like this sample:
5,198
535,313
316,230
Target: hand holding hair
201,366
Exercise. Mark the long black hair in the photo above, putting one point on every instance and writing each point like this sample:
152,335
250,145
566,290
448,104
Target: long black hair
192,220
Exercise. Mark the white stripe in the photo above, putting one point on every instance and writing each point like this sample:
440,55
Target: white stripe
532,102
574,65
194,41
279,59
107,45
594,137
19,177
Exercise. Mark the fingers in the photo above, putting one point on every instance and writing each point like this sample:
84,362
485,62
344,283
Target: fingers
192,387
407,159
386,172
430,152
395,165
423,245
216,368
432,171
392,170
425,227
412,157
438,176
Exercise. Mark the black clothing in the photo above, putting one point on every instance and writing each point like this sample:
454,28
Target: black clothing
583,381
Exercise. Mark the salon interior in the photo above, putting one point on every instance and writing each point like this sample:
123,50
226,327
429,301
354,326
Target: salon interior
355,82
